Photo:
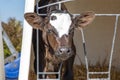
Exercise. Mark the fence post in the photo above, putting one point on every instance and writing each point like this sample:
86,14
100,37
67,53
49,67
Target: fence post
26,44
2,71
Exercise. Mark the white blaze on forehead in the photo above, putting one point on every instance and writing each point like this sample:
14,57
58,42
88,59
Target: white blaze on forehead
61,23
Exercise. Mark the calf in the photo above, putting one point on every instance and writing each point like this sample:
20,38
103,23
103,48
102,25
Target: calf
41,42
57,30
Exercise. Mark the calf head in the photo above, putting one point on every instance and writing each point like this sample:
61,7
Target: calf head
58,30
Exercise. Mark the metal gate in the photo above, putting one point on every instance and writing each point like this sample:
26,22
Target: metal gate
24,77
111,53
84,45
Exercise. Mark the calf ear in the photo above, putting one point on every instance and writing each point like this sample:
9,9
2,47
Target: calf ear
84,19
34,20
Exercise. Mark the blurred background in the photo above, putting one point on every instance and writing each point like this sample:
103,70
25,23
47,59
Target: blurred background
11,17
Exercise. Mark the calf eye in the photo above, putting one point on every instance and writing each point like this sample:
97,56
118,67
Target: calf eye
53,18
49,30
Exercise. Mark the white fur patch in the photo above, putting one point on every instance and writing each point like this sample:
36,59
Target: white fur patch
61,23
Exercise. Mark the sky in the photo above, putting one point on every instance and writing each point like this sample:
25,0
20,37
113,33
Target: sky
11,9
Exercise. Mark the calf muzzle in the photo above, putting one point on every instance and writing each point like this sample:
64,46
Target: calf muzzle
63,53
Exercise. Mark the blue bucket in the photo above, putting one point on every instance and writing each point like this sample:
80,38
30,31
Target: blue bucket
12,70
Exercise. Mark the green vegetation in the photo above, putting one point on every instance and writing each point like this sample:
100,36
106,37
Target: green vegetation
13,29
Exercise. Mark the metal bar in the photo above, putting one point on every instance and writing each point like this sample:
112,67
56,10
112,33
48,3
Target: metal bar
48,72
107,14
85,51
59,6
45,73
95,14
101,14
60,66
37,8
60,70
37,45
8,42
113,43
99,79
98,72
37,42
42,14
2,70
54,4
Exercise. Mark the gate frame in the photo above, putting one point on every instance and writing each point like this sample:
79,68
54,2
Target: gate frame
26,44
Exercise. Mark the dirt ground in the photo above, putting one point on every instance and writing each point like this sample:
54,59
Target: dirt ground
80,73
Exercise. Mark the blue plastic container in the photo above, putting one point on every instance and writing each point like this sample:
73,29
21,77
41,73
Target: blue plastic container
12,70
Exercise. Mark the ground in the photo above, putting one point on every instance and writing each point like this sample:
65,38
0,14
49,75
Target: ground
80,72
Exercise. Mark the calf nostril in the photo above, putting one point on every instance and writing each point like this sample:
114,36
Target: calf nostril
68,51
60,50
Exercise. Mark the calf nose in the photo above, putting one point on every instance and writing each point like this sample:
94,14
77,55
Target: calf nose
64,53
64,50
